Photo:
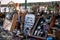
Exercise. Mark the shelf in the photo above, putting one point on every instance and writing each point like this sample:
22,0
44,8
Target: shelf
37,37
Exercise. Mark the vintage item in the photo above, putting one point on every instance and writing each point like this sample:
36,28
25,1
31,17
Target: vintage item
29,22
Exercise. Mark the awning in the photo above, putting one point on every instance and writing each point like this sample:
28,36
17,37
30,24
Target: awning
28,1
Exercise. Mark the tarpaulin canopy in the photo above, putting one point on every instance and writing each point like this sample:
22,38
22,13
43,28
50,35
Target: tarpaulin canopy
28,1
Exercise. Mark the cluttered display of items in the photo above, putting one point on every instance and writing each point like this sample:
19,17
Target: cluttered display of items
56,27
7,29
42,25
40,29
10,19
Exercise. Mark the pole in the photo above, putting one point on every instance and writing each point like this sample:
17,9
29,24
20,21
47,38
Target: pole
25,4
0,6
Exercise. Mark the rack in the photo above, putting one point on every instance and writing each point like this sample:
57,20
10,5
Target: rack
37,37
36,22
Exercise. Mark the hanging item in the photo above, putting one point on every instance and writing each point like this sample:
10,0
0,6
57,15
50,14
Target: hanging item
29,22
11,6
18,10
17,6
9,17
8,21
